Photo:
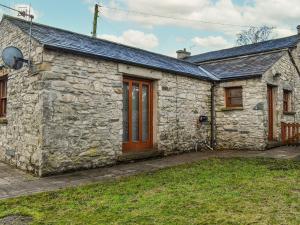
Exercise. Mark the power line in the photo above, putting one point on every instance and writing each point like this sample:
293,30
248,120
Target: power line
173,18
9,8
22,13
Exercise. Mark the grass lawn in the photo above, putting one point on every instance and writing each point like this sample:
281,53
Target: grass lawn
217,191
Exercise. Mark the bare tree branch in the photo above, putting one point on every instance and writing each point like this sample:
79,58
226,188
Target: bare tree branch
254,35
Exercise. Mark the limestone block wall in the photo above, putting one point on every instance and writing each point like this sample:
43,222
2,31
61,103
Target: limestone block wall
82,112
20,131
288,79
181,100
241,129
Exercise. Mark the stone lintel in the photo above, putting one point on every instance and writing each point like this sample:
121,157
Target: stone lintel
289,113
233,83
42,67
3,121
139,72
3,72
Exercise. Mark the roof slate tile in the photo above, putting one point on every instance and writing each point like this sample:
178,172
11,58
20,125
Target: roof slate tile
78,43
265,46
241,67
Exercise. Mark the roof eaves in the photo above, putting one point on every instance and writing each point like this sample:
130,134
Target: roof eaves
84,35
244,55
67,50
252,76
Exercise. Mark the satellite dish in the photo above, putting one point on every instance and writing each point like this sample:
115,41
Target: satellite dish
13,58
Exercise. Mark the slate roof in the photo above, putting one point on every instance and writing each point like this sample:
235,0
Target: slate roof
265,46
241,67
77,43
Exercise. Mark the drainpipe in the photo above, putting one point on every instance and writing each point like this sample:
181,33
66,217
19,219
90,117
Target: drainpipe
213,117
298,71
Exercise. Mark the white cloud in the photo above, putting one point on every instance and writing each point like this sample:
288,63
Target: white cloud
284,32
278,13
134,38
211,43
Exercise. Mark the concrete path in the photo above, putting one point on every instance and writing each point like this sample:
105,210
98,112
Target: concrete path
14,182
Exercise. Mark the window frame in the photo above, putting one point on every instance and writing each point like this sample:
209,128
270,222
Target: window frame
228,98
3,97
287,101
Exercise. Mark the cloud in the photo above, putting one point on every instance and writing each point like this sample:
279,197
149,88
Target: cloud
284,32
211,43
134,38
255,13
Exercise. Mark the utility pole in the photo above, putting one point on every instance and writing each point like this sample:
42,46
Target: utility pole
96,15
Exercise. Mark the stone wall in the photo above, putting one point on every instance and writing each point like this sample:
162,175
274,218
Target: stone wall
242,128
181,100
247,128
82,112
66,112
20,131
288,79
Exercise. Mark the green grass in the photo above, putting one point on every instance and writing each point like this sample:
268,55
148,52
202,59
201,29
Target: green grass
217,191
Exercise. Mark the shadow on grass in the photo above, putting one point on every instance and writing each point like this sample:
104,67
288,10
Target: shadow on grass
278,164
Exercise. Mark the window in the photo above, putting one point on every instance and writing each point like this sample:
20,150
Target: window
234,97
3,99
287,101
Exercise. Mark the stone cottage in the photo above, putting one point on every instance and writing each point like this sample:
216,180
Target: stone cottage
257,87
86,102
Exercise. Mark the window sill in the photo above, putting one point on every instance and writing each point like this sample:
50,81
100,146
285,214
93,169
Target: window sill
232,108
289,113
3,121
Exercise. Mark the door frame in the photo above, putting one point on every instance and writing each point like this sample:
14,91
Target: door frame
271,118
139,146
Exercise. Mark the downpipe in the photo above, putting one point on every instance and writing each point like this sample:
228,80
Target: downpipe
212,143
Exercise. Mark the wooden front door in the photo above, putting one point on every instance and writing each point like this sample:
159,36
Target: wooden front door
270,114
137,115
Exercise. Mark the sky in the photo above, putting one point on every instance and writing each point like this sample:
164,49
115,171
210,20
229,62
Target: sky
197,25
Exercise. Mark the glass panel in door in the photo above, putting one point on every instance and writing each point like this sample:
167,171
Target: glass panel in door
145,113
135,112
125,112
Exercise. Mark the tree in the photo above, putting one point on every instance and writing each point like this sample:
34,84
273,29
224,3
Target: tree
254,35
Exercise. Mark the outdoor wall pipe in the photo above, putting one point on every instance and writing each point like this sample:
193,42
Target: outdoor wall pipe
298,71
213,117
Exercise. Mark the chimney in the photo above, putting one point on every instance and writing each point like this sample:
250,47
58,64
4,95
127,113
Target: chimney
298,29
181,54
